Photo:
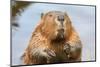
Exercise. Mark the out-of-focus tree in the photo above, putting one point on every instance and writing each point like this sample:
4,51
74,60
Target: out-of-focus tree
17,7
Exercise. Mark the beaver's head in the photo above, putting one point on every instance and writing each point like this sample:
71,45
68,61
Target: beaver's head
55,25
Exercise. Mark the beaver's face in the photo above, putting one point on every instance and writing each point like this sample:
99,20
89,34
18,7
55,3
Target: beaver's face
55,23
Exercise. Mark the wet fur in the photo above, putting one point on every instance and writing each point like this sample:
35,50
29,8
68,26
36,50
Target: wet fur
44,38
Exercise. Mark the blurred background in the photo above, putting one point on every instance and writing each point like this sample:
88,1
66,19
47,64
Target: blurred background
26,15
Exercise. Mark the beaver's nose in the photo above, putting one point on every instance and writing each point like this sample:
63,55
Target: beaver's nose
60,18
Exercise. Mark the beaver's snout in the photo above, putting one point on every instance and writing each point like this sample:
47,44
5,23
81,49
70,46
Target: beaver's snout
60,18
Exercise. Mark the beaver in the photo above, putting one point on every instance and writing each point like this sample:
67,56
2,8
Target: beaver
54,40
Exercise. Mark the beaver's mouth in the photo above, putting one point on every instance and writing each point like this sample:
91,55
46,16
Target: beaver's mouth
59,35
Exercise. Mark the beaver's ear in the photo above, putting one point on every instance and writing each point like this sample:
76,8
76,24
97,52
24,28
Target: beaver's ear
42,14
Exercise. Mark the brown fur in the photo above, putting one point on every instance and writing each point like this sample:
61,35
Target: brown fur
44,38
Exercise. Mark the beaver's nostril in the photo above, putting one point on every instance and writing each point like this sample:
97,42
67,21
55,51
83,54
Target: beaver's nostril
61,18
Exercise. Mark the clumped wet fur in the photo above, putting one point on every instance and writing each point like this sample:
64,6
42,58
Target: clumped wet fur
54,40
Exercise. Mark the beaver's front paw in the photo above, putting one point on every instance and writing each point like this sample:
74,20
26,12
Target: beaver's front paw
67,48
50,53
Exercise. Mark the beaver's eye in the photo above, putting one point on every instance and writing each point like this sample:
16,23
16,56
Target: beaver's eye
50,15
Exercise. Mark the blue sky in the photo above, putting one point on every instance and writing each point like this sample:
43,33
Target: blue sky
82,17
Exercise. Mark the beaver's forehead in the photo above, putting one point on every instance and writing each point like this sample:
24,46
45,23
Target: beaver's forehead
56,12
